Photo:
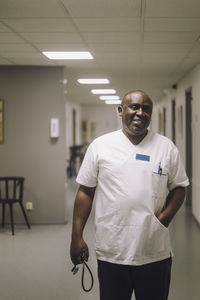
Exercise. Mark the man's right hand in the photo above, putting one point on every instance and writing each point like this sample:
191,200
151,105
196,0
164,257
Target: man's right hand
79,251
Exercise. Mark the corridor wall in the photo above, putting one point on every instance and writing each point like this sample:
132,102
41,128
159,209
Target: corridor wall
32,96
105,116
191,80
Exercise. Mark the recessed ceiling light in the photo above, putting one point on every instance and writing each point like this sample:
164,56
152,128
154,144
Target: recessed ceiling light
109,97
103,91
68,55
93,81
64,81
113,102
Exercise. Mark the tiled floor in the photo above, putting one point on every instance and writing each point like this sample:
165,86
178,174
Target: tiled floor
35,264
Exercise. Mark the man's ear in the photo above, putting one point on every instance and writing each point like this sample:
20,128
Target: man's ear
120,110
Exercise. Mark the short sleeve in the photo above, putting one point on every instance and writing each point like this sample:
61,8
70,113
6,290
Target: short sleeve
177,176
88,172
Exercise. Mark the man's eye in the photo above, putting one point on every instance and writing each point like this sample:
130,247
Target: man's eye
135,107
147,109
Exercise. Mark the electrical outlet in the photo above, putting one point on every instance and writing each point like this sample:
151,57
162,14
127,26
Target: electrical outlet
29,205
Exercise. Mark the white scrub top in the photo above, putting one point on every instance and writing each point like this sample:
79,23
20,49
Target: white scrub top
132,183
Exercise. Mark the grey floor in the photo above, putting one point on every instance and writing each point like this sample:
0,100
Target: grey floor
35,264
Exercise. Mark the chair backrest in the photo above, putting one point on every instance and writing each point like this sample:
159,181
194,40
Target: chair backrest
11,188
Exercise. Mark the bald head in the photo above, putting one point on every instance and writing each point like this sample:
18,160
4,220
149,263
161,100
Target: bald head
136,94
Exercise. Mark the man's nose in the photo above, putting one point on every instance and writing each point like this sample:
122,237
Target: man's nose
139,111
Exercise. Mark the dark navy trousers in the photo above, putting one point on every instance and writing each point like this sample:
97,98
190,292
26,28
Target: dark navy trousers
148,282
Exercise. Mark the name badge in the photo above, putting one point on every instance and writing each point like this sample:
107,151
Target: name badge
142,157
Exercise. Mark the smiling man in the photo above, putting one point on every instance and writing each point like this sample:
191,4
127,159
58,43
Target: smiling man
136,110
138,182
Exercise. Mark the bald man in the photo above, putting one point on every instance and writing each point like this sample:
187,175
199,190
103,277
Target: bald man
138,182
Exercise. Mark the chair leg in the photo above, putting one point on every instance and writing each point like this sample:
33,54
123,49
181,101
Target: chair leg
3,214
25,216
11,218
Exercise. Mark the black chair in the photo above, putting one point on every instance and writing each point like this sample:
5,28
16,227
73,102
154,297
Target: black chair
11,191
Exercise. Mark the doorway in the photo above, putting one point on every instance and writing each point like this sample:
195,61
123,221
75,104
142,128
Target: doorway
74,127
164,121
173,109
188,139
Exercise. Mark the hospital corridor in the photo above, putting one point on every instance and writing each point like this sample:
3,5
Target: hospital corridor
72,71
36,264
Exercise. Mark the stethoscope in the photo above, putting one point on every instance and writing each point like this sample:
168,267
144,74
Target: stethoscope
75,270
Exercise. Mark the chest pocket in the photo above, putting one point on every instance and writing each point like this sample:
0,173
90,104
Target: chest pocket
159,181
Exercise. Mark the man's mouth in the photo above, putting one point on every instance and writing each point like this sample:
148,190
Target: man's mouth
138,122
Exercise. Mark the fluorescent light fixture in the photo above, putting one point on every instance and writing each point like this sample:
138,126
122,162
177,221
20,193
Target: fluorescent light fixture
103,91
109,97
113,101
93,81
68,55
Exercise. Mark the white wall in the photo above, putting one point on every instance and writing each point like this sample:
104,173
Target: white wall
191,80
105,116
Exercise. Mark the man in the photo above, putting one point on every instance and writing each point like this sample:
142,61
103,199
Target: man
138,182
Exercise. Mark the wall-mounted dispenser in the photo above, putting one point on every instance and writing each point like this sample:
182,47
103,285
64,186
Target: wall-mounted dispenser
54,128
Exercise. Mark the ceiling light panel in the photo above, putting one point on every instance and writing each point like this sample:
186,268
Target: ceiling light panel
103,91
109,97
113,101
68,55
93,81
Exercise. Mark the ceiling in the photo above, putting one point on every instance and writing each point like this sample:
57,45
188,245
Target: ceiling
136,44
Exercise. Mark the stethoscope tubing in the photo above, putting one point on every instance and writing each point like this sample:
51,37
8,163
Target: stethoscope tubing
84,265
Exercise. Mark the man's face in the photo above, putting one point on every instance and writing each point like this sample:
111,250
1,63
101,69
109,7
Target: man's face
136,111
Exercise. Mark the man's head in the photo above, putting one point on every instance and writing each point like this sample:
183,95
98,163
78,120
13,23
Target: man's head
136,111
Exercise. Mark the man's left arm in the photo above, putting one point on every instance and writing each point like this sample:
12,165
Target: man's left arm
174,201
